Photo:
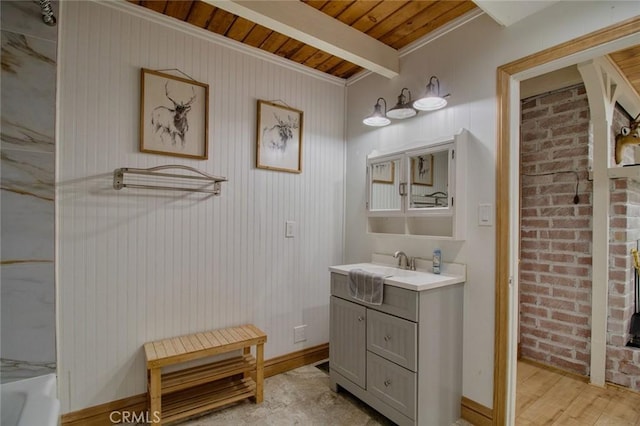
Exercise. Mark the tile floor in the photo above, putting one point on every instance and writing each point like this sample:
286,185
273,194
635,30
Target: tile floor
298,397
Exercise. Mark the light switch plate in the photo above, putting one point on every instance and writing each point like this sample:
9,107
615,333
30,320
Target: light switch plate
485,214
290,229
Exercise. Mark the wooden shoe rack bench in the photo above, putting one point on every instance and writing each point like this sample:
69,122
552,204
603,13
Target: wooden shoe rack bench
189,391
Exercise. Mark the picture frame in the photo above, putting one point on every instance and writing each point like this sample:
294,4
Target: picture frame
383,172
174,115
422,170
279,137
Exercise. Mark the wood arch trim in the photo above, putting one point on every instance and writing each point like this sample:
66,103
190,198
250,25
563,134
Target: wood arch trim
503,149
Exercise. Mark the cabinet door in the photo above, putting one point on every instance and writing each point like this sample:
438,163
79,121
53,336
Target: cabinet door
347,348
386,187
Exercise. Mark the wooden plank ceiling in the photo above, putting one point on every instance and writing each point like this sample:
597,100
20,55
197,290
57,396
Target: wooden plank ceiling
395,23
628,61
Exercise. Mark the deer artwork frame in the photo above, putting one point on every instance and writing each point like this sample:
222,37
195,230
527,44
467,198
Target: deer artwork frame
279,137
174,115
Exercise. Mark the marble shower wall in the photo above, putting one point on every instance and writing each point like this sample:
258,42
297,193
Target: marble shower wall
27,175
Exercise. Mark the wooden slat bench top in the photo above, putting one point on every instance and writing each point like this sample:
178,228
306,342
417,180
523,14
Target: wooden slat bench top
198,345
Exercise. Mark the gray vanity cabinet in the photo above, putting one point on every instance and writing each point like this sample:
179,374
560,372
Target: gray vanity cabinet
404,357
348,330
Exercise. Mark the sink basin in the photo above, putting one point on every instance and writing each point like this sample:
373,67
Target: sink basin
412,280
389,271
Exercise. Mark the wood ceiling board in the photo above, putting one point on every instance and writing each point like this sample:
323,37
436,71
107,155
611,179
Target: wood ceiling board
335,8
157,5
257,36
274,42
302,54
418,21
356,11
221,21
398,18
345,70
240,28
201,14
316,59
310,26
329,64
290,47
378,14
441,20
317,4
628,62
178,9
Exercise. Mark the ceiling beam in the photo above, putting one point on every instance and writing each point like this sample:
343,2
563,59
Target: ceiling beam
304,23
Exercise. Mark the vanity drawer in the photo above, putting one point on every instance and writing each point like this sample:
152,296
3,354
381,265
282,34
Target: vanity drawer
393,338
394,385
395,301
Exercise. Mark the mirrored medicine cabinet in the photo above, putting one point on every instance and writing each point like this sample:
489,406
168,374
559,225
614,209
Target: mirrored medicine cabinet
418,190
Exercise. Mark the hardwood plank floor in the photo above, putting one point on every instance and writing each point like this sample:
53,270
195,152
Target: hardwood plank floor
546,396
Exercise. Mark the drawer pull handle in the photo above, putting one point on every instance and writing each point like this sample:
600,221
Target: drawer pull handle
360,318
387,338
387,383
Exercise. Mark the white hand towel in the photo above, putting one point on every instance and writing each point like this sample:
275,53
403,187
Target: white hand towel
366,286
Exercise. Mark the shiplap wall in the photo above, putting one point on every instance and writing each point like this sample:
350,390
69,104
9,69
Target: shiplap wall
134,265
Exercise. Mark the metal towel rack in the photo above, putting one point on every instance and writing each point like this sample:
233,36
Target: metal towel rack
119,176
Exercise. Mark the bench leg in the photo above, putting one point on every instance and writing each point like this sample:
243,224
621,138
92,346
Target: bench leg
246,351
155,396
259,372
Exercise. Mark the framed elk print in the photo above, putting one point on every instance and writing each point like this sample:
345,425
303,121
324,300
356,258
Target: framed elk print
279,138
173,115
422,170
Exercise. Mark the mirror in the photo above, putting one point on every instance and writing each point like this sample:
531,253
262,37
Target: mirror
429,180
385,181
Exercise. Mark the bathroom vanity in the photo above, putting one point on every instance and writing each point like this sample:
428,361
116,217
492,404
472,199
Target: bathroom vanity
403,357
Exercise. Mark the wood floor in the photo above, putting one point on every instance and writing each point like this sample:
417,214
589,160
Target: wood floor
549,397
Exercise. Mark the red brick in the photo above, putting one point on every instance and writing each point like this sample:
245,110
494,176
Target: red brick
577,104
554,326
569,319
569,341
556,97
558,257
570,129
573,366
571,223
575,271
537,267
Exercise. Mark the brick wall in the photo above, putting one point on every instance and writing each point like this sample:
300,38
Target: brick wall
555,247
556,237
623,364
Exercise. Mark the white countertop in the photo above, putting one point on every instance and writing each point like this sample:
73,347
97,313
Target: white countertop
419,280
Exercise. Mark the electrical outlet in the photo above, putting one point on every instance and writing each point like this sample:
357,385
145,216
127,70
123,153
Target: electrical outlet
299,333
290,229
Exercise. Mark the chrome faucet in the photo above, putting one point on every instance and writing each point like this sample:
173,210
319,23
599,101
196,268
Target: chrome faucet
407,264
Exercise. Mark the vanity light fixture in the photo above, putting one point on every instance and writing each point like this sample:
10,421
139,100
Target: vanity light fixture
432,100
378,118
404,108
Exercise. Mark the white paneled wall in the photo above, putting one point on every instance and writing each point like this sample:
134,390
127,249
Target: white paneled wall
134,265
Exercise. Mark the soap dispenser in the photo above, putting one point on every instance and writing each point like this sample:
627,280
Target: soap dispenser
437,257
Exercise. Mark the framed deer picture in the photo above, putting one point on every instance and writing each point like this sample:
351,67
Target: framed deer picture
173,115
279,138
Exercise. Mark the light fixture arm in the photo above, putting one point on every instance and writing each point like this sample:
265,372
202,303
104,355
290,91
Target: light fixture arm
402,99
